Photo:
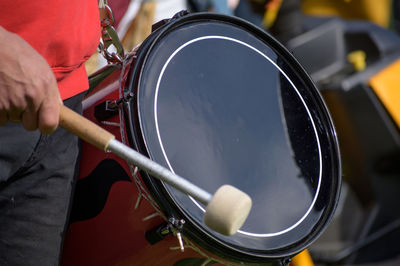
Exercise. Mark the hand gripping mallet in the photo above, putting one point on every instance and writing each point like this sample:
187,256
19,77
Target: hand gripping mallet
226,210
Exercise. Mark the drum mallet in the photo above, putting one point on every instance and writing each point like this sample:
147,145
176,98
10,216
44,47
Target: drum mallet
226,210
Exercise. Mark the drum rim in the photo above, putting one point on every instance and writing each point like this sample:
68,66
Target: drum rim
157,188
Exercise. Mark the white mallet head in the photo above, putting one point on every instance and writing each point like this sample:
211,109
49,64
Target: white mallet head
227,210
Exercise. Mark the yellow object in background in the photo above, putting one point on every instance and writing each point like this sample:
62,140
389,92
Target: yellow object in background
386,85
271,12
357,59
372,10
302,259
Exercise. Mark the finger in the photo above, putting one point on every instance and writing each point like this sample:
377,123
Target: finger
30,119
15,115
30,115
49,107
3,118
17,106
48,116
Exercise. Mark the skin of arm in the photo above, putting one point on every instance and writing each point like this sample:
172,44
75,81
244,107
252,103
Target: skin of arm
28,87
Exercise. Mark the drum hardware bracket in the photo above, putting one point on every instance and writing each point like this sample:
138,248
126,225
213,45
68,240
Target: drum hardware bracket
172,227
161,23
179,236
177,225
106,110
127,97
157,233
286,261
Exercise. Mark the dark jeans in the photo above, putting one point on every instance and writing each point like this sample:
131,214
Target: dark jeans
37,176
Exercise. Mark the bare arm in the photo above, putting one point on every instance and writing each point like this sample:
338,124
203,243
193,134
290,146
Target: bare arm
28,88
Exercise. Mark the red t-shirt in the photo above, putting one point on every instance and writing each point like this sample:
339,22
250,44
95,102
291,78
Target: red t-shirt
65,33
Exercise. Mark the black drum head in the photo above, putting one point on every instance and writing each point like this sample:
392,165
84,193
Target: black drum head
218,102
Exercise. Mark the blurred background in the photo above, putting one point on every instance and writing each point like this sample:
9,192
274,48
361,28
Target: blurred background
351,49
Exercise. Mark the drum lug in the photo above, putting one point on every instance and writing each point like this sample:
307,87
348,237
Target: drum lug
179,236
106,110
286,261
180,14
161,23
177,225
172,227
158,233
128,96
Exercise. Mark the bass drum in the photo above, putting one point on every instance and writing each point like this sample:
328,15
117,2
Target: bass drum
218,101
